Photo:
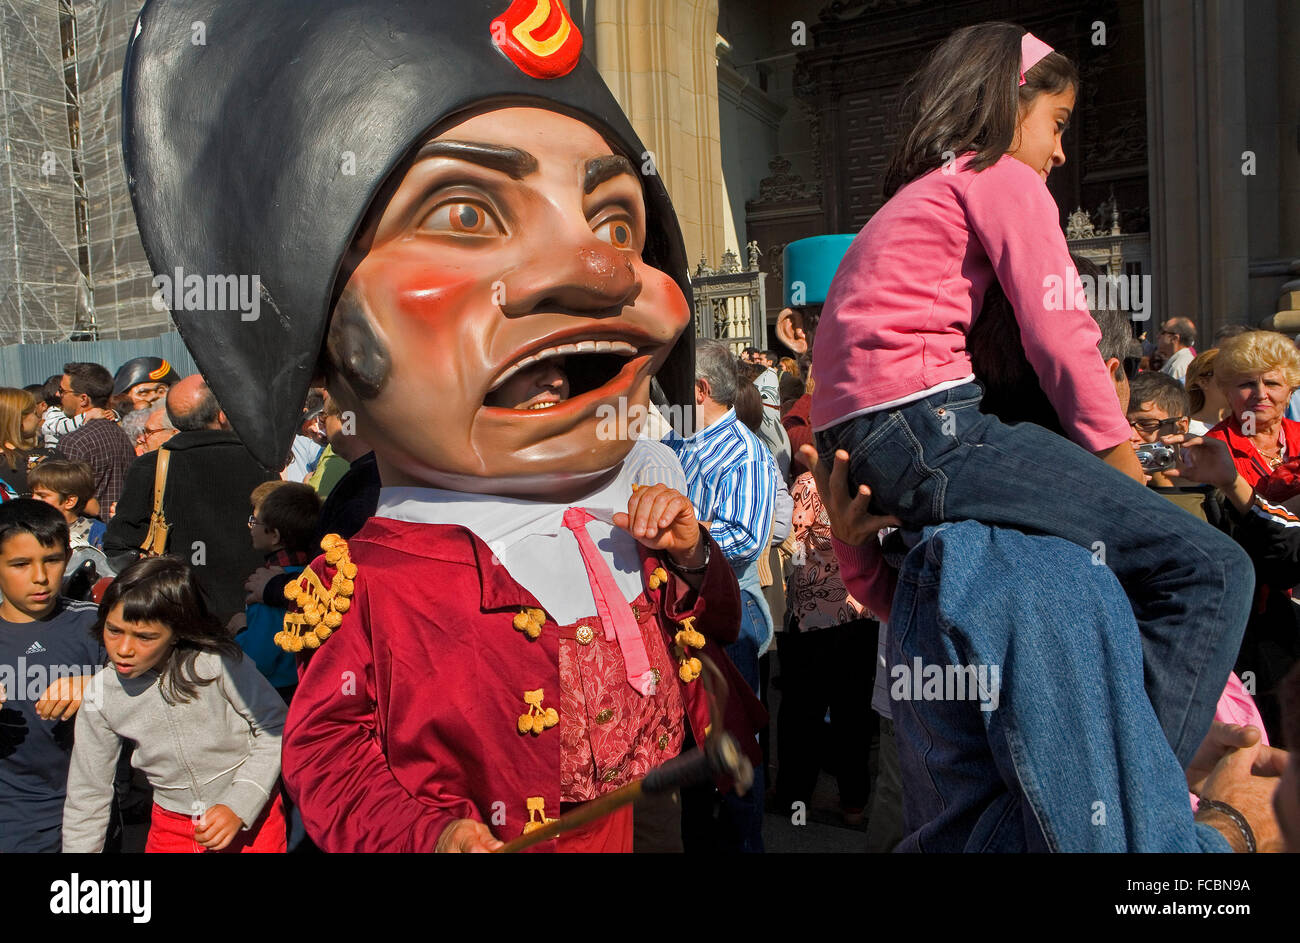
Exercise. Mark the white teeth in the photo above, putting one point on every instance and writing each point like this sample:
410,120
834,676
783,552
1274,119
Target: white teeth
542,405
564,350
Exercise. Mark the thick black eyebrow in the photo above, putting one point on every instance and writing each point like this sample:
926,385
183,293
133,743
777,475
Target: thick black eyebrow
508,160
600,169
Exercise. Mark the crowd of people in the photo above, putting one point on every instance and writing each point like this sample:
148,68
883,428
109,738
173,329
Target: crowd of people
81,480
1057,565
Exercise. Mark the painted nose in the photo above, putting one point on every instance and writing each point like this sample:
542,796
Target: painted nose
591,279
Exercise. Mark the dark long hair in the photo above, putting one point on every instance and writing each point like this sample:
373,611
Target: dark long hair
1012,391
966,97
749,406
164,589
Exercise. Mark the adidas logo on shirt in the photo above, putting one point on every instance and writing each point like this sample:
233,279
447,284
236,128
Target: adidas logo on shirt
35,648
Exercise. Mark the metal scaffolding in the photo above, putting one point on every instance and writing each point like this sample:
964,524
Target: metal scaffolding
71,263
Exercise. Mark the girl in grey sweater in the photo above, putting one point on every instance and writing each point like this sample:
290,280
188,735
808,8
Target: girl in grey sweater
206,724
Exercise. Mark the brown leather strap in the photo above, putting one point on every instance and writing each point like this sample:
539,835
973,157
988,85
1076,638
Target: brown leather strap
155,542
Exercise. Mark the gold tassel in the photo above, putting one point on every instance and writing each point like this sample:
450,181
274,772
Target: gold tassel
319,609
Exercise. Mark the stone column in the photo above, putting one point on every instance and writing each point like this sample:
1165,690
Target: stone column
1195,76
659,59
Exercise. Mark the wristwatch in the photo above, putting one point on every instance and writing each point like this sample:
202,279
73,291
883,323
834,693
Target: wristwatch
691,570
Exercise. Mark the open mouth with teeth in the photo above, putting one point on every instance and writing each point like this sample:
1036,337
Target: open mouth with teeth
551,376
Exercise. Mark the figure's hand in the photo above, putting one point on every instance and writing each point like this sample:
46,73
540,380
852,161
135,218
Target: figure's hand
467,836
255,585
1202,460
851,521
217,828
62,698
663,519
238,622
96,413
1237,782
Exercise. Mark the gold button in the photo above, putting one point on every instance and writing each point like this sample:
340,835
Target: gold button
605,716
663,741
609,776
654,673
585,634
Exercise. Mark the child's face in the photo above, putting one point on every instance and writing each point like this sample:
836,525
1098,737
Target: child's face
265,539
30,577
31,422
1038,137
135,647
64,503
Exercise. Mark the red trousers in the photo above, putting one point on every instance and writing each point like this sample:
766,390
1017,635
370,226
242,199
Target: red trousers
173,833
611,834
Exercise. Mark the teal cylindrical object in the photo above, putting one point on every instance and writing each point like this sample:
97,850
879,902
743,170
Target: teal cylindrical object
810,265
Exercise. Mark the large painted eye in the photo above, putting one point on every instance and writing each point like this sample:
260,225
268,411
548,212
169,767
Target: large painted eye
462,218
617,232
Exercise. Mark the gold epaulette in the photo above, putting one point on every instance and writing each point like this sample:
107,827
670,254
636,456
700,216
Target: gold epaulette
320,610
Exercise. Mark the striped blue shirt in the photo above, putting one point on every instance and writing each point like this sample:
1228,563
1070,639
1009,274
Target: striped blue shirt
731,479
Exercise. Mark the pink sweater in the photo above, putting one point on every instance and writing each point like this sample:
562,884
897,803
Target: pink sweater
912,282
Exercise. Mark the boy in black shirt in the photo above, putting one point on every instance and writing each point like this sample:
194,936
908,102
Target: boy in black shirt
47,655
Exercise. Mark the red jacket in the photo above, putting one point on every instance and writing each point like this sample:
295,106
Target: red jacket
1245,456
406,717
799,428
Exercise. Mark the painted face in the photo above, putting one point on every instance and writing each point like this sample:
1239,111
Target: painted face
1263,395
135,647
500,301
1038,137
146,394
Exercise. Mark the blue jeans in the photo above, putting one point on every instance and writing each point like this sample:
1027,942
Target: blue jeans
941,459
755,616
1071,758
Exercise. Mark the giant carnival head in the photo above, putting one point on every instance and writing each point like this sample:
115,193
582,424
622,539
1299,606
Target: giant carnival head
442,211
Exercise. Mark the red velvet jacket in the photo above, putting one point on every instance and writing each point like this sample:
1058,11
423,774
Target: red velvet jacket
406,717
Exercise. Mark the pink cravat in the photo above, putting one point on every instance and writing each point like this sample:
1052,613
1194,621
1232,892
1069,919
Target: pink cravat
611,607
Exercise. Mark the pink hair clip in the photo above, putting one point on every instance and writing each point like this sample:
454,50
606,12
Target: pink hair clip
1032,51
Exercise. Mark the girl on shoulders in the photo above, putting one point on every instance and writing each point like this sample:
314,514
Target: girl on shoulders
968,205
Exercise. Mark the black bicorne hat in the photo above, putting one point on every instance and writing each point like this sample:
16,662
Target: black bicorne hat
143,370
257,133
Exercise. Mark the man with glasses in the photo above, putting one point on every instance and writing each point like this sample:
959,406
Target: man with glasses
157,429
100,443
209,478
